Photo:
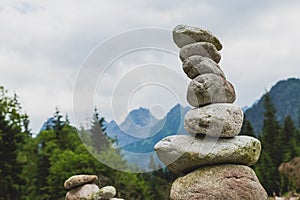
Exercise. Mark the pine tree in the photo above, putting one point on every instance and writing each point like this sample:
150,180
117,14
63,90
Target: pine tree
247,129
13,133
288,139
271,157
99,139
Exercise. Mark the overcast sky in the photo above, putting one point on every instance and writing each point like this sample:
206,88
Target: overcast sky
44,43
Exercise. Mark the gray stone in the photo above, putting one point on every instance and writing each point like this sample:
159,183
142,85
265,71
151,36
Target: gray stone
210,88
197,65
84,192
189,153
203,49
219,182
78,180
183,35
115,199
216,120
107,192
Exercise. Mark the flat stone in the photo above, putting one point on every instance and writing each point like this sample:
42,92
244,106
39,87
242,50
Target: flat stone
197,65
107,192
203,49
216,120
219,182
189,153
210,88
184,35
78,180
86,192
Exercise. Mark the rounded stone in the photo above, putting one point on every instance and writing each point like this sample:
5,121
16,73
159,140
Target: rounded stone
107,192
87,192
236,182
216,120
203,49
210,88
78,180
184,35
196,65
189,153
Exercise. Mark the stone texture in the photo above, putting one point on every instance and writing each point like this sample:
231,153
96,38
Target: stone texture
203,49
191,153
197,65
210,88
107,192
183,35
221,182
78,180
84,192
216,120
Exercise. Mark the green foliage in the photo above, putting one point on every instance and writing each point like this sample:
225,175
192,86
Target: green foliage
13,134
279,144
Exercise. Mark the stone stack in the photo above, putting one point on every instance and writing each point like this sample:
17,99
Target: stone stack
214,161
83,187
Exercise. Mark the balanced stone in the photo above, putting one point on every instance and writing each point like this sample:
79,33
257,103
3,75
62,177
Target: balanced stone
203,49
210,88
78,180
197,65
87,192
236,182
107,192
183,35
216,120
189,153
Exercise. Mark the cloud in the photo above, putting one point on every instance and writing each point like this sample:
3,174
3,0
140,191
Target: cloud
43,44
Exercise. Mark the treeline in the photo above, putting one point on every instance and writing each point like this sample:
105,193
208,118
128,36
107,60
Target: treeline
36,167
280,143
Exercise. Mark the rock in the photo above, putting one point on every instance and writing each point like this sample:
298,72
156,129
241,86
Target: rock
107,192
236,182
216,120
183,35
203,49
197,65
191,153
86,192
78,180
210,88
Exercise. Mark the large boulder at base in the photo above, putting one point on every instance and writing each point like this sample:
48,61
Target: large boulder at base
86,192
107,192
210,88
78,180
221,182
183,35
189,153
203,49
196,65
216,120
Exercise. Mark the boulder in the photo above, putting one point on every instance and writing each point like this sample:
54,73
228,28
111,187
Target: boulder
197,65
78,180
203,49
107,192
210,88
219,182
183,153
184,35
216,120
86,192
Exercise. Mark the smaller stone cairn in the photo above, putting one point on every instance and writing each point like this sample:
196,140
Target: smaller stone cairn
214,161
83,187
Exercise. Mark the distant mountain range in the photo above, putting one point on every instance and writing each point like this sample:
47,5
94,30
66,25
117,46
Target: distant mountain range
140,131
285,96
